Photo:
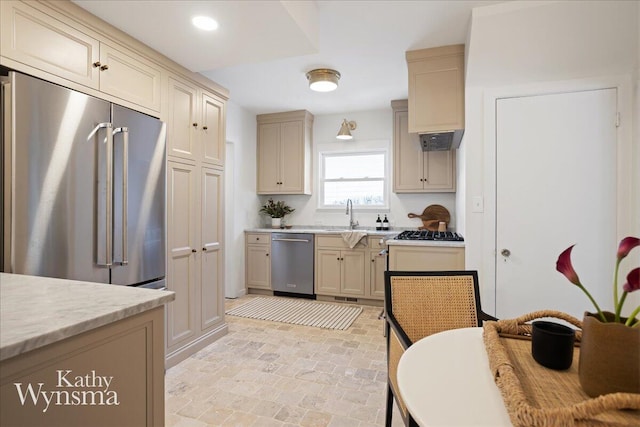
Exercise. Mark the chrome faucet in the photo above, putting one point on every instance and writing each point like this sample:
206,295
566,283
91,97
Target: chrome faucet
352,224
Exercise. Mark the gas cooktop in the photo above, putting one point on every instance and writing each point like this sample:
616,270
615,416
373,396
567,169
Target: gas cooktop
448,236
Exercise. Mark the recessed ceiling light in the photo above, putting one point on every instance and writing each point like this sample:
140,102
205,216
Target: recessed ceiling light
204,23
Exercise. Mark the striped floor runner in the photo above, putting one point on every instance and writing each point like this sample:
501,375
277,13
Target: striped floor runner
299,312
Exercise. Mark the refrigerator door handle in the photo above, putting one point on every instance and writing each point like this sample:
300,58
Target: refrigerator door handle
125,184
104,252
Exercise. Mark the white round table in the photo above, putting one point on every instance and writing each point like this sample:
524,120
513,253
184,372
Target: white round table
444,380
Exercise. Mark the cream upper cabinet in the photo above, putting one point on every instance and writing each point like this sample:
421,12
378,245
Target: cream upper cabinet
415,170
284,153
212,135
181,115
36,39
195,122
126,77
436,89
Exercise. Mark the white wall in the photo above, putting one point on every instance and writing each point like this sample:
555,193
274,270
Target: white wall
523,48
374,131
241,201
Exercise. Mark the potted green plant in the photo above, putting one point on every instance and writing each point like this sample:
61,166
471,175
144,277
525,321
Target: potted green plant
277,211
610,345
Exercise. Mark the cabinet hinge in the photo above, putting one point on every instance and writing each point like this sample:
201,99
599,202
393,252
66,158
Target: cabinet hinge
618,119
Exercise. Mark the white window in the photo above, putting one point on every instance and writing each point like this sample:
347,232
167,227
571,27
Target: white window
361,177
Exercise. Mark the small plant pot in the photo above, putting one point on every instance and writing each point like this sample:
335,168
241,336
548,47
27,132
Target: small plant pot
276,222
609,355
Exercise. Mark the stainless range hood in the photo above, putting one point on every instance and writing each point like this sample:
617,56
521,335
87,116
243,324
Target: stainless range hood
441,141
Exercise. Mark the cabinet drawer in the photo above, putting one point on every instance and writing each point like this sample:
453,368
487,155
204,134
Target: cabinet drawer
375,242
258,238
337,242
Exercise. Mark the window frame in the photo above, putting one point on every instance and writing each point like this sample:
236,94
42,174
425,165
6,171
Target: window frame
386,184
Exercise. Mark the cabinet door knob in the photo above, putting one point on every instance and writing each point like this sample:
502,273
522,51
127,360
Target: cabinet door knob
104,67
205,128
195,125
204,249
338,258
96,64
505,253
194,250
266,254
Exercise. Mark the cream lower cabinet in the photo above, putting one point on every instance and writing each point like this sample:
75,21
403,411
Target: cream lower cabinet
414,170
35,36
258,261
128,350
339,270
378,266
195,262
340,273
425,258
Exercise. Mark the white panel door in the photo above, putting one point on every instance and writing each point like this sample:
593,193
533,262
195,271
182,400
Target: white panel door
555,187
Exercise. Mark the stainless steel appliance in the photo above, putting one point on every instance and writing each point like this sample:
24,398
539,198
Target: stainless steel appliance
292,264
448,236
83,186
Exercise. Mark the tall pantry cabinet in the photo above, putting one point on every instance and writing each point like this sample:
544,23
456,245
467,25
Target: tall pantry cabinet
195,192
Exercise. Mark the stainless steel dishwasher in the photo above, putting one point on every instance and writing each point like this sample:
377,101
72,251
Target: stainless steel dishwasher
292,264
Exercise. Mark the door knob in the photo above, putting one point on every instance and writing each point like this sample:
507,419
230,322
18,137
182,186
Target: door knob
505,252
194,250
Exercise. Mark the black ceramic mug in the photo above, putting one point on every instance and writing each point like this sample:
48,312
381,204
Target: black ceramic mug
552,344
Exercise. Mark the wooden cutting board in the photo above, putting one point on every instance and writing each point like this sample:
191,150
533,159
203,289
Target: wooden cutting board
432,216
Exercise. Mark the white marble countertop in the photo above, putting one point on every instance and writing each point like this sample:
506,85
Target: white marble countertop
440,243
322,230
37,311
387,235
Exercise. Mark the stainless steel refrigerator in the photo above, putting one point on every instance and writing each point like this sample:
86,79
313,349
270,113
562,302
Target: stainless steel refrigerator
83,186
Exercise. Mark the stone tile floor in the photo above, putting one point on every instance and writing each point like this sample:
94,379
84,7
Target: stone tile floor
267,373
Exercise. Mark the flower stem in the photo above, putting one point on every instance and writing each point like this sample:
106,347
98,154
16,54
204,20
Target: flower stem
615,292
619,306
632,316
604,319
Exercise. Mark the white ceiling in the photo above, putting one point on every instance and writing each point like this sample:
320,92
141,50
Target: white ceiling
263,49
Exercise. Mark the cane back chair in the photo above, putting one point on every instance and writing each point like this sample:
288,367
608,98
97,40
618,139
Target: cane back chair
422,303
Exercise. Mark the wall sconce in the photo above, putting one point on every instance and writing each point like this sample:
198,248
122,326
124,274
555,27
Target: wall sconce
345,130
323,79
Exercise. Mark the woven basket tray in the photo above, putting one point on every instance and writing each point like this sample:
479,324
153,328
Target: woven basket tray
537,396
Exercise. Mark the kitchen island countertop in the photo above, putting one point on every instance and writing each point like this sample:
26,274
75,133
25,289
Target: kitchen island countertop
37,311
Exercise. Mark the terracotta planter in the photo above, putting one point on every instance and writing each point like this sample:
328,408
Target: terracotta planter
609,355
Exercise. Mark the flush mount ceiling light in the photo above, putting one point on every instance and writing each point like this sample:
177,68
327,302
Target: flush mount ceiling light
323,79
345,130
204,23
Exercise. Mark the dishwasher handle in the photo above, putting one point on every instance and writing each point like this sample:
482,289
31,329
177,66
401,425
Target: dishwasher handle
290,240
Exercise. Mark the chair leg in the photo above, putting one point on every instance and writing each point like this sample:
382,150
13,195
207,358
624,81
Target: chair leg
387,418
